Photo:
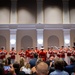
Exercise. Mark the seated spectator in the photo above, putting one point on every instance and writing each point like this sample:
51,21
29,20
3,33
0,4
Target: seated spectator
59,68
42,68
50,60
26,69
21,73
1,69
14,69
73,73
33,69
65,64
32,62
1,65
70,68
9,60
22,62
51,64
6,66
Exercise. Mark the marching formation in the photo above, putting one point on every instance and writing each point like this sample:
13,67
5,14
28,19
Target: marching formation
42,53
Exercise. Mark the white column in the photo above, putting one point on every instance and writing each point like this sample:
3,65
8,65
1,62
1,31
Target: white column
66,37
66,12
40,11
39,38
13,17
13,38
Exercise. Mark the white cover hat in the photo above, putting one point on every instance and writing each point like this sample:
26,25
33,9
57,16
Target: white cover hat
42,48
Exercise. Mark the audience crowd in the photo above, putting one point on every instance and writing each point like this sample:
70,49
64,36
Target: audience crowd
38,62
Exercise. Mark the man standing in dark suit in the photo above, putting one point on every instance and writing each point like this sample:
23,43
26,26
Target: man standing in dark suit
32,62
70,68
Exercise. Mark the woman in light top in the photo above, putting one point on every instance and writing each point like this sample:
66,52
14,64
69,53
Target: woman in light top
26,69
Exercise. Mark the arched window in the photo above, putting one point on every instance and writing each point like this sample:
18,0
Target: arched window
2,41
26,42
53,41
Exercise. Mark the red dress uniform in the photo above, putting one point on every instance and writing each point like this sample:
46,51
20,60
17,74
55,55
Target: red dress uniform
22,53
36,51
55,51
51,53
43,55
1,54
58,54
73,53
31,54
27,52
13,53
69,52
45,51
4,53
62,53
